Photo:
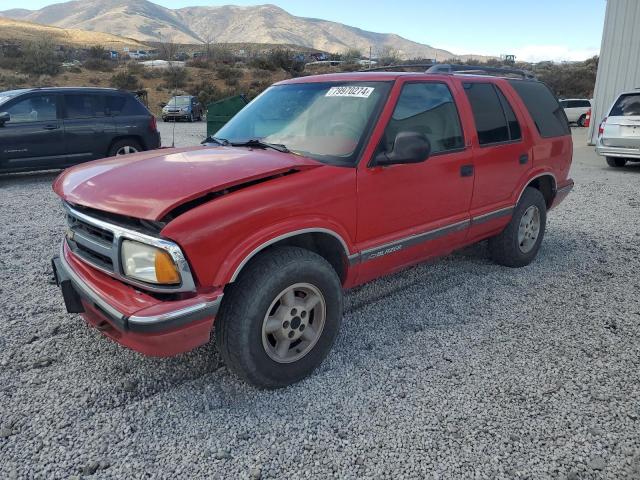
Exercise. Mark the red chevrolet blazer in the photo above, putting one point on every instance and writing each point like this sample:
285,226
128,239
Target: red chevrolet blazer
320,184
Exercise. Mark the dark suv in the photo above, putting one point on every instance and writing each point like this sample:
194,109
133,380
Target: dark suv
58,127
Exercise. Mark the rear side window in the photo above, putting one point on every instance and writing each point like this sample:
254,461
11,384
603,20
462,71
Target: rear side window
84,106
626,106
426,108
124,105
543,107
493,116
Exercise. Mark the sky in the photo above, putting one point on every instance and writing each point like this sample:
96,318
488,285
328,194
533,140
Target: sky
533,30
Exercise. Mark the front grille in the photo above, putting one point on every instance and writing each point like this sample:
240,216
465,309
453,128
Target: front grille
95,238
93,244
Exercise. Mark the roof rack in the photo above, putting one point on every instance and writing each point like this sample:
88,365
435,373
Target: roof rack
421,66
479,69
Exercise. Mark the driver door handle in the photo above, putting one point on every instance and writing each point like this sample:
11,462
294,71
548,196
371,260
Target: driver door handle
50,127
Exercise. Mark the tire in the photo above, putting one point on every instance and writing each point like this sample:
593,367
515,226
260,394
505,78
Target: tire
581,120
254,303
616,162
511,249
124,147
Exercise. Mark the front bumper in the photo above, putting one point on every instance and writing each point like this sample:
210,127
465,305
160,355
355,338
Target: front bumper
130,317
175,116
618,152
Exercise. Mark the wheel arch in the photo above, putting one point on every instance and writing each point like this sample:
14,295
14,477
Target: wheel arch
544,182
325,242
119,138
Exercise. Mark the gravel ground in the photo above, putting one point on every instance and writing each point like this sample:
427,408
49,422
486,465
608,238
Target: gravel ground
456,369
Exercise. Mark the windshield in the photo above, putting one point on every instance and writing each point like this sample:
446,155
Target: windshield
325,121
180,101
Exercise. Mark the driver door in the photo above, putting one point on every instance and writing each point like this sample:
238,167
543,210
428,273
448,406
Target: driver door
34,135
410,212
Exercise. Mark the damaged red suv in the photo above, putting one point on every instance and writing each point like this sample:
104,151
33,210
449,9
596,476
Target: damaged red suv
320,184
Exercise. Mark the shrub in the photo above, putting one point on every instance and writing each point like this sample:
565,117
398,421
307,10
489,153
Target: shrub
206,92
125,81
175,77
200,62
99,65
287,60
94,81
39,58
230,75
136,68
9,82
97,52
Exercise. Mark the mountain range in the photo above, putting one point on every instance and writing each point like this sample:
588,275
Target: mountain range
146,21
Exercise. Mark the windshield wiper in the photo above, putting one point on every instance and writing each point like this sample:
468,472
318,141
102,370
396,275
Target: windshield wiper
220,141
256,142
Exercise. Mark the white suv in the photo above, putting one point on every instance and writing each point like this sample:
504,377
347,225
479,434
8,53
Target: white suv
576,109
619,132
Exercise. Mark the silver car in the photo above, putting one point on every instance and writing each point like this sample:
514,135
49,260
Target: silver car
619,132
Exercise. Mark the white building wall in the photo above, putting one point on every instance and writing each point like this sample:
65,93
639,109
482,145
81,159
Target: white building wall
619,66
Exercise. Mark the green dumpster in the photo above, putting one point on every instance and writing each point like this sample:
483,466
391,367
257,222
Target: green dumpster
220,112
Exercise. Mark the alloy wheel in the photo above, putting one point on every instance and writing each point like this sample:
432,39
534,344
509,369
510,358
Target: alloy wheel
294,323
529,229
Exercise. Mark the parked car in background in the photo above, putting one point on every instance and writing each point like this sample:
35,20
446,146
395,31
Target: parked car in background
183,107
320,184
619,132
576,109
58,127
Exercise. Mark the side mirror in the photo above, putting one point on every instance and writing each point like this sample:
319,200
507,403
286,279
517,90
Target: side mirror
4,118
409,147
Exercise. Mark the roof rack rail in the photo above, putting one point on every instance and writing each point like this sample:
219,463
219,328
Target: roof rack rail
421,66
479,69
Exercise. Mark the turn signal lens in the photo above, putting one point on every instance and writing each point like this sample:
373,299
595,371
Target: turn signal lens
166,271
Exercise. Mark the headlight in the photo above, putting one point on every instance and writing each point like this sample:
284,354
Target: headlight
148,264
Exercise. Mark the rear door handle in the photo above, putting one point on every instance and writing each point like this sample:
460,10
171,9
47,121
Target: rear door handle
466,170
524,158
50,127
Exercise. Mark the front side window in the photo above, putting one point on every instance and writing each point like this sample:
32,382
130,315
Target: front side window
426,108
325,121
626,106
37,108
84,106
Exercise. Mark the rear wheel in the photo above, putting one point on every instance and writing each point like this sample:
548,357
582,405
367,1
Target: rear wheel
581,120
519,242
124,147
279,320
616,162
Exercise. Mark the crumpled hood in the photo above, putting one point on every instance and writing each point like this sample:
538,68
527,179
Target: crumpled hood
149,185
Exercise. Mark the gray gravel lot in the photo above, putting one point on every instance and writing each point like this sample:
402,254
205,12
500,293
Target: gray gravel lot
456,369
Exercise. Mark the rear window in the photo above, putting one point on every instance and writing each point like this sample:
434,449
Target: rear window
626,106
124,105
543,107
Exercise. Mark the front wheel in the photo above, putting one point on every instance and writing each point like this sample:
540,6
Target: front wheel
519,242
279,320
616,162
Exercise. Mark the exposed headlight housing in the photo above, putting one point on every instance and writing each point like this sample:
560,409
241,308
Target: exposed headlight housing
148,264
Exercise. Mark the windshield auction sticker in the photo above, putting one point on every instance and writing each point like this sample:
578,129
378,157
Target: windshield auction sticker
359,92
